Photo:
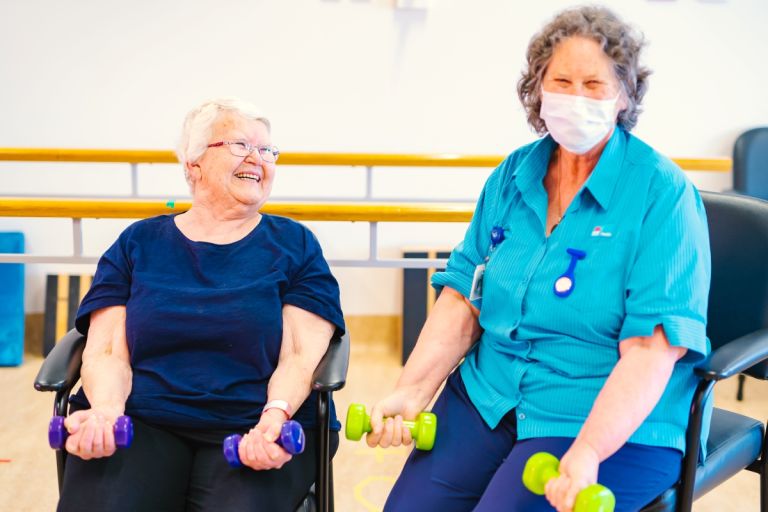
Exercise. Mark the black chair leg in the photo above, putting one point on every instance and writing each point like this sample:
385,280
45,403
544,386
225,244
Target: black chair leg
60,406
330,487
763,472
740,391
322,489
764,490
60,456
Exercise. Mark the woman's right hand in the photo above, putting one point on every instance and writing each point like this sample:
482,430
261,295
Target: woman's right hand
258,449
448,334
388,414
91,433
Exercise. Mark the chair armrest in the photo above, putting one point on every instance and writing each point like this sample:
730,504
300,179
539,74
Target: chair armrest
735,356
61,367
331,373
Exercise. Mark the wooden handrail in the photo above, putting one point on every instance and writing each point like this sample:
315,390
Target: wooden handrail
137,209
289,158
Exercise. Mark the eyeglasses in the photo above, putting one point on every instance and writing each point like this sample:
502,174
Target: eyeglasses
243,149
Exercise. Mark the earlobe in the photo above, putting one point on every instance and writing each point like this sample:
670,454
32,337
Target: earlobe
623,103
193,171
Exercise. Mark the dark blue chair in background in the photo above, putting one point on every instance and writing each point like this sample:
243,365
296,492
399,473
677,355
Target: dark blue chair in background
750,163
737,326
750,177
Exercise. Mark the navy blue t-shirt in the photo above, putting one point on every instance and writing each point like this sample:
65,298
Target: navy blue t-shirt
204,321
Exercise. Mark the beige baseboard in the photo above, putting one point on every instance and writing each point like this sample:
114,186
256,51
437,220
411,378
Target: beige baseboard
33,333
376,331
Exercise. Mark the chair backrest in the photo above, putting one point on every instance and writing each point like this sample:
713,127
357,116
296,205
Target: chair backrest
738,297
750,163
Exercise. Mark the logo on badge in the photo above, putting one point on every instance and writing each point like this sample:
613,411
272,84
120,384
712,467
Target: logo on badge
602,231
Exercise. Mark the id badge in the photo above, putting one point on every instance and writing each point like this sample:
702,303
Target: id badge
476,292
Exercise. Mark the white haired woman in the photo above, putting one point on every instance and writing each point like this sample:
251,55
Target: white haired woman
593,254
199,325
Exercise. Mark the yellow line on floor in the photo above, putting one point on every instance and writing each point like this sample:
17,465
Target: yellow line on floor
379,453
358,490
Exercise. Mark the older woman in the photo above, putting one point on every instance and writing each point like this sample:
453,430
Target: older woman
592,252
200,325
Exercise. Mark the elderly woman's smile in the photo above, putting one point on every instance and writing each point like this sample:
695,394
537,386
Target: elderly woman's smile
237,168
249,175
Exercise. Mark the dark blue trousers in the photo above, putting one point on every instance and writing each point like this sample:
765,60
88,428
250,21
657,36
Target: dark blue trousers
473,467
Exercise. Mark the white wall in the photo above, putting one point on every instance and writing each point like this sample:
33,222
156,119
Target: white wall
344,75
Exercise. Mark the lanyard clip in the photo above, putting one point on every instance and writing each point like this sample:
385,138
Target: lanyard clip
497,236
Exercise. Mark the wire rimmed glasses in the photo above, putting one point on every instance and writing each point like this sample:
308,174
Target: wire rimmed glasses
243,149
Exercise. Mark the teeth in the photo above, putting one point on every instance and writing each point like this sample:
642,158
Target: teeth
248,176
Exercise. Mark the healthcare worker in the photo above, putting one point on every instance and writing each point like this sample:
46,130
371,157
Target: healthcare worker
575,307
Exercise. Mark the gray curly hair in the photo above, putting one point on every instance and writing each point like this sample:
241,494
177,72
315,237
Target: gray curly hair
620,42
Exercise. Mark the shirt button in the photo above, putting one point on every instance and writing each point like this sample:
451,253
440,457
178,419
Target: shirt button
521,416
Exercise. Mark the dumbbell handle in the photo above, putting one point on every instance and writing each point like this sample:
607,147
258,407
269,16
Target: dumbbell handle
548,474
590,505
423,430
57,433
291,439
411,425
543,467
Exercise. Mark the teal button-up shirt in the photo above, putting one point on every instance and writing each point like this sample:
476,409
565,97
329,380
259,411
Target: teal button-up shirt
643,228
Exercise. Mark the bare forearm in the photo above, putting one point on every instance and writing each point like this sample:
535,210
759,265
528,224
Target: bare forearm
291,382
631,392
106,371
107,383
449,332
305,340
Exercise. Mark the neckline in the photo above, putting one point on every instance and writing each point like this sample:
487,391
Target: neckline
188,240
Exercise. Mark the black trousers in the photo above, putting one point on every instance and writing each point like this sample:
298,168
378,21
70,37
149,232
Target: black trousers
177,470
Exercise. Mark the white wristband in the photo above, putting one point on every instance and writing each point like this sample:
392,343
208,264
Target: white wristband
278,404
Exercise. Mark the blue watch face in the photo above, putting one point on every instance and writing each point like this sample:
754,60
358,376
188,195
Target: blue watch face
563,286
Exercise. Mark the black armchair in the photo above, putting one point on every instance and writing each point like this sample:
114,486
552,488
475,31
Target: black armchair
61,371
737,327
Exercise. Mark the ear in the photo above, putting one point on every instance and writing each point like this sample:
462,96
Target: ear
194,171
622,103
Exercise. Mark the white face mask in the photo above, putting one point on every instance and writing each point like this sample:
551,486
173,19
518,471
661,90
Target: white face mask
577,123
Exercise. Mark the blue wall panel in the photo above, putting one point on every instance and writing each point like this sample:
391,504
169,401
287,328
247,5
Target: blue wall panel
11,302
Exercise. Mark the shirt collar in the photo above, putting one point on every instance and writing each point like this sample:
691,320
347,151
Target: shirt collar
530,173
601,183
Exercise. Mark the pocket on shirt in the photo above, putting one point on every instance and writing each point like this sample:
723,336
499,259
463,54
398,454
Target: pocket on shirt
600,278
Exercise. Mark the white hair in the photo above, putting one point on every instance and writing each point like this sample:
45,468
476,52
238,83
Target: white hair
198,126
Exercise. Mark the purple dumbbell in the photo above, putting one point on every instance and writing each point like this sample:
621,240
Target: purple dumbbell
291,439
57,434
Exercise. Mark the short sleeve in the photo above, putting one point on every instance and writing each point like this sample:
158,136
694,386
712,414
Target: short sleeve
471,251
111,284
668,284
313,288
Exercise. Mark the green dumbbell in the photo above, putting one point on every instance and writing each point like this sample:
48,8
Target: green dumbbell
542,467
423,430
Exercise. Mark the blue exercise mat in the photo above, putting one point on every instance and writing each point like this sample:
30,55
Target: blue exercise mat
11,302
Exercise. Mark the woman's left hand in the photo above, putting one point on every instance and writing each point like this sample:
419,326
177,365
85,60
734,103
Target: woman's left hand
258,449
578,469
